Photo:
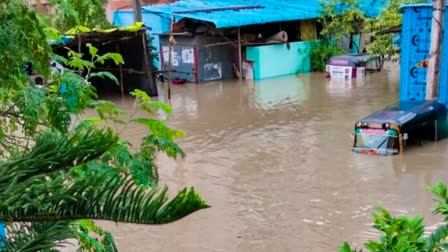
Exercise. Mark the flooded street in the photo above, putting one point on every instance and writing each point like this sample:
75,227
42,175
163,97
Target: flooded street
273,158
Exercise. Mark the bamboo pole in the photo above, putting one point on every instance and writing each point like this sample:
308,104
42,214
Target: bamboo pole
432,78
240,59
170,49
148,66
117,46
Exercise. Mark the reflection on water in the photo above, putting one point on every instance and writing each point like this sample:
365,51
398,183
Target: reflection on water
278,91
274,160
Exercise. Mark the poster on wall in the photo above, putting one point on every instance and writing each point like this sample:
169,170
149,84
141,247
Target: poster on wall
165,51
213,71
187,56
174,56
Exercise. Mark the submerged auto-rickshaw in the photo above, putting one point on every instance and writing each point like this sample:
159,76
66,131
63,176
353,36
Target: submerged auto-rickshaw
386,132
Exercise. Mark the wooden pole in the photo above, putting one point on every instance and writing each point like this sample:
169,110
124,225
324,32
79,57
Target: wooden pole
148,67
432,78
117,46
240,59
170,49
137,11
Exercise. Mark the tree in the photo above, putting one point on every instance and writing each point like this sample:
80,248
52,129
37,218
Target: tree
407,234
55,173
389,17
344,17
341,18
67,14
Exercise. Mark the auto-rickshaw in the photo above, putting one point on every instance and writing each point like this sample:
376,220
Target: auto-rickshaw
387,132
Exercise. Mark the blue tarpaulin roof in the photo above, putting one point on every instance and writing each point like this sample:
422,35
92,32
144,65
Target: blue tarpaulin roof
269,11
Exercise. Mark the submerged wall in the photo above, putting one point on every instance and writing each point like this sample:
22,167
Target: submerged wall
281,59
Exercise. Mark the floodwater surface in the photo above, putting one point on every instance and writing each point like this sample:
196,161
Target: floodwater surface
273,158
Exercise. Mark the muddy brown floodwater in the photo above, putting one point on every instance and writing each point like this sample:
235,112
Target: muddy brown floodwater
274,160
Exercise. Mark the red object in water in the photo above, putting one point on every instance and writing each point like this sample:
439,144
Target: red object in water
179,81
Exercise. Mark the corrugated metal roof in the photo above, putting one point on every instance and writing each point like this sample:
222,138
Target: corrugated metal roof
271,11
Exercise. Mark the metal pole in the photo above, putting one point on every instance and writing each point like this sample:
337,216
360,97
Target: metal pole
240,59
137,11
170,49
432,78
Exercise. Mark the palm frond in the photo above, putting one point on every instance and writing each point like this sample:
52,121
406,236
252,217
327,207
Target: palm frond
53,152
437,239
97,196
37,236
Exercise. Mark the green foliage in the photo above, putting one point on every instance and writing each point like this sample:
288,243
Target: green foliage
71,13
407,234
55,172
28,102
107,111
341,18
344,17
105,75
20,25
388,18
321,51
76,61
153,51
102,242
37,236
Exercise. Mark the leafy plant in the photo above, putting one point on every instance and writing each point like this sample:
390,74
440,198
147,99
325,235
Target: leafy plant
321,51
388,18
57,170
341,18
70,13
407,234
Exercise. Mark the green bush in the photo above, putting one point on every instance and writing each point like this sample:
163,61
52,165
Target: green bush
407,234
321,51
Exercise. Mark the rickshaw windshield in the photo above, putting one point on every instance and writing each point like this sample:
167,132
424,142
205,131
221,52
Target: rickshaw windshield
378,140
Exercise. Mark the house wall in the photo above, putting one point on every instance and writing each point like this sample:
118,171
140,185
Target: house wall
277,60
415,43
193,60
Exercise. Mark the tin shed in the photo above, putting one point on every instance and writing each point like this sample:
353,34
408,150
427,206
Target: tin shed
198,58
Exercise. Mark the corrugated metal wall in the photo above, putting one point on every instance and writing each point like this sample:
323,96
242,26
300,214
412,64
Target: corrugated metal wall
215,63
182,61
195,59
443,83
415,43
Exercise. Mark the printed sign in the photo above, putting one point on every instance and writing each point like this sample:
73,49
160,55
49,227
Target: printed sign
174,56
340,72
374,131
187,56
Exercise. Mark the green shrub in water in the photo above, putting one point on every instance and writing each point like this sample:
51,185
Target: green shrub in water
405,234
321,51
